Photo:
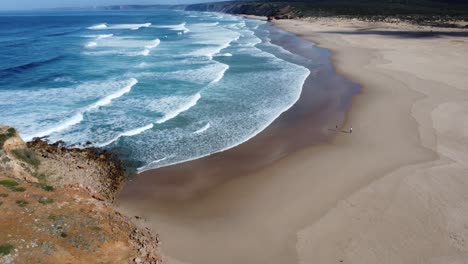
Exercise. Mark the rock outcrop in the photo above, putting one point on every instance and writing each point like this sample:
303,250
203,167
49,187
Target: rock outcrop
55,205
99,172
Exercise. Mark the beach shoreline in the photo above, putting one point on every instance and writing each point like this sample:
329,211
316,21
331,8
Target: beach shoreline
313,119
390,192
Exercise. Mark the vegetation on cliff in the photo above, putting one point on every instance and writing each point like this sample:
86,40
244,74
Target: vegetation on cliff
412,10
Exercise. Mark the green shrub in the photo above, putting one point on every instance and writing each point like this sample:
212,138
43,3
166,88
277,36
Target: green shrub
11,132
45,200
8,183
27,156
4,195
17,189
21,203
1,203
63,234
44,187
6,249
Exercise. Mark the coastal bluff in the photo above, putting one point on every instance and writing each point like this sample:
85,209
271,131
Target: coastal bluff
56,206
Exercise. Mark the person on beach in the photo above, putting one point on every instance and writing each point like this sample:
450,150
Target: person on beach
351,130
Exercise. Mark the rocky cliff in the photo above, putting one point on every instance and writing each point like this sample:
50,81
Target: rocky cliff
264,8
55,206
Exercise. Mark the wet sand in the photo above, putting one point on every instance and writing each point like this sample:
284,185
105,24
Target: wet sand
393,191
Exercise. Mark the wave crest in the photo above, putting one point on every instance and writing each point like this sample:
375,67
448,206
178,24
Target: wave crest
98,26
174,113
79,116
104,26
180,27
129,133
203,129
153,44
91,45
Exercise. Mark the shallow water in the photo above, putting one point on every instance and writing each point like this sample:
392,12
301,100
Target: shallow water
158,87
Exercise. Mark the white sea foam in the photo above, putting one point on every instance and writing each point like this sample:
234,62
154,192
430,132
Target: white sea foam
182,108
144,52
221,74
98,27
108,99
143,65
75,119
103,36
203,129
79,115
201,75
91,45
104,26
64,79
180,27
208,24
129,26
129,133
217,41
154,163
227,54
153,44
259,129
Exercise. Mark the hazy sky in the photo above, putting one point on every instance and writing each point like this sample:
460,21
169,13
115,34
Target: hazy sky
30,4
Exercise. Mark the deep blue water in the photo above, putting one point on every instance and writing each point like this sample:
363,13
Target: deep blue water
160,86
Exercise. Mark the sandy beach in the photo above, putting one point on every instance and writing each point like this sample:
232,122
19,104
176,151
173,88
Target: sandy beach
393,191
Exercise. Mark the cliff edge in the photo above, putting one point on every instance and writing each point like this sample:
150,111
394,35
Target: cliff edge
55,206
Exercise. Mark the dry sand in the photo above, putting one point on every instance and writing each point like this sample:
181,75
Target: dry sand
393,191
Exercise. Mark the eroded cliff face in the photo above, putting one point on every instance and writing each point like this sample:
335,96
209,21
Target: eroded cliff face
55,206
99,172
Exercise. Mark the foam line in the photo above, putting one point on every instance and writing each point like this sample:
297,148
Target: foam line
157,161
153,44
98,27
180,27
91,45
104,36
129,133
108,99
172,114
105,26
145,52
220,75
78,117
203,129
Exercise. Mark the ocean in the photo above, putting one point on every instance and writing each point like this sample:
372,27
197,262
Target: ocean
157,87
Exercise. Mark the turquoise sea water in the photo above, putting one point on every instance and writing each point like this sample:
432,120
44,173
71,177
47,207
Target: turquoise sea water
160,87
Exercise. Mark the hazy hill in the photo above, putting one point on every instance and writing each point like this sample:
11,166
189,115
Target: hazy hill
297,8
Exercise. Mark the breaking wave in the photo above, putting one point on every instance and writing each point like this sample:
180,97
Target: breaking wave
79,116
105,26
184,107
